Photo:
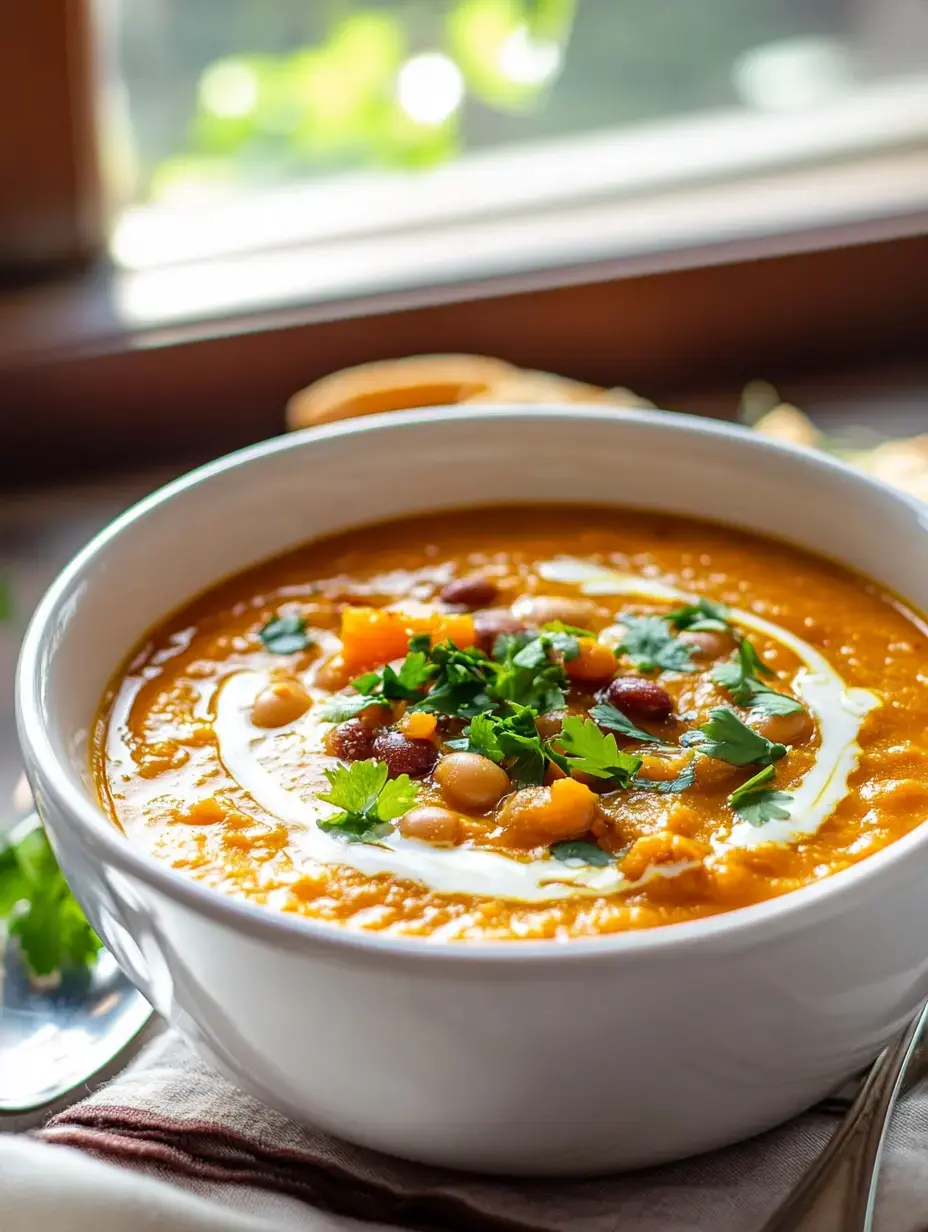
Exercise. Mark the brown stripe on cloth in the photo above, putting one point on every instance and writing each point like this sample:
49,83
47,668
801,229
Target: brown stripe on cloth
171,1110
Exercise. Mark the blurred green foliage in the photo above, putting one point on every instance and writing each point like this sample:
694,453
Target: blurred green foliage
224,94
344,101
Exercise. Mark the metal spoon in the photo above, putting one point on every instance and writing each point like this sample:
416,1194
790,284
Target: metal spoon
56,1045
839,1190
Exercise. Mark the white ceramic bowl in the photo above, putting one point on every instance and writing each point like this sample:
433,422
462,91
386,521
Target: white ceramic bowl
525,1057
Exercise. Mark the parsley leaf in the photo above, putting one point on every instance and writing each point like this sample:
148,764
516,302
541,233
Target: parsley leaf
408,683
686,778
347,706
756,804
527,676
580,849
511,740
369,803
652,647
480,736
703,616
607,715
285,634
40,909
726,738
590,750
558,626
742,678
461,682
766,701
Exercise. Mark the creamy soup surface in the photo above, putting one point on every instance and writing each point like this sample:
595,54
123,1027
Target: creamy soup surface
522,723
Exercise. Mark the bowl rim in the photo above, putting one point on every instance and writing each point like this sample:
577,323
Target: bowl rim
785,912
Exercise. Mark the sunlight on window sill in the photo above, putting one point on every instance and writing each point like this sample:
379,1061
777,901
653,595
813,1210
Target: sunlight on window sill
510,187
803,201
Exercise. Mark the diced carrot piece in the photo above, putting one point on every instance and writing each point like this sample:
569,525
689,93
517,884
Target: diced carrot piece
418,725
371,635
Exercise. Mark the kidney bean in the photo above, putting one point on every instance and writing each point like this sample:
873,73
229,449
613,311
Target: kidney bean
404,756
633,695
351,741
470,592
493,621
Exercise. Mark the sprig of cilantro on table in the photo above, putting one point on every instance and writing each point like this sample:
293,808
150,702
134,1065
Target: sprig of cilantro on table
40,910
745,678
757,804
726,738
367,800
651,645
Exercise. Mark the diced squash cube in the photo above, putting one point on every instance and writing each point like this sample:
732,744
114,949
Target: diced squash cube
372,636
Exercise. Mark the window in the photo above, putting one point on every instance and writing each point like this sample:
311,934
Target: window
668,194
425,140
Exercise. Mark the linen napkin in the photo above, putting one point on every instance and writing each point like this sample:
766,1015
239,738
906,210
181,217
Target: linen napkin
170,1115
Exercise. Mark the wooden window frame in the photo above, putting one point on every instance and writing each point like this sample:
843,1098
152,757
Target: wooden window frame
51,201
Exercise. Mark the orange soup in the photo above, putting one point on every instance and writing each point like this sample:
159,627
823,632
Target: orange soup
522,723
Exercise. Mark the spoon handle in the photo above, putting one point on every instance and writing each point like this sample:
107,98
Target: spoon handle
839,1190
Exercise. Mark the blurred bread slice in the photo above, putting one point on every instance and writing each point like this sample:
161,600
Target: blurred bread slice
524,385
787,423
395,385
438,380
902,464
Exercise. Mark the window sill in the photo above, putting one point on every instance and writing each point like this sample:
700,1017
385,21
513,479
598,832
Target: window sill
810,270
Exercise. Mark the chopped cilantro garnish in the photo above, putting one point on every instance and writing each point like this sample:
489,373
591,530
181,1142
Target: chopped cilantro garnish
651,645
607,715
580,849
347,706
369,803
756,804
592,751
40,909
703,616
527,675
408,684
726,738
461,680
766,701
285,634
447,680
743,679
558,626
686,778
511,740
